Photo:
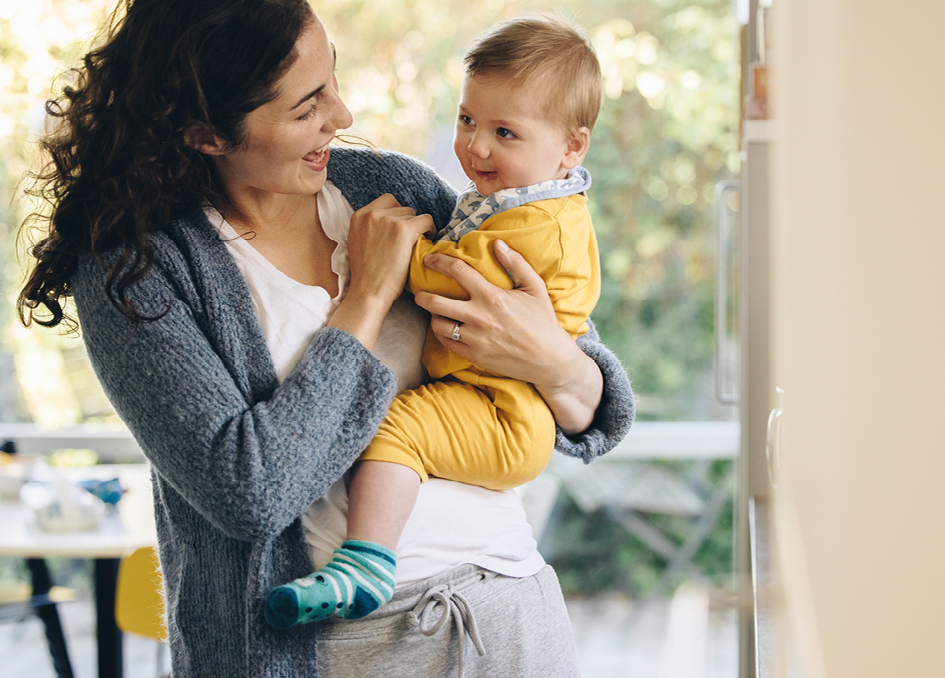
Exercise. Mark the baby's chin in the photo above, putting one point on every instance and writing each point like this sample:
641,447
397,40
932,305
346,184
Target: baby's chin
487,182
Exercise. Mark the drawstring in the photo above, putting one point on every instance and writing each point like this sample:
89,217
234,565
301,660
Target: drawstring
421,617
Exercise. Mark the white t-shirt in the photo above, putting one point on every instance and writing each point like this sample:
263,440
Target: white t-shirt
452,523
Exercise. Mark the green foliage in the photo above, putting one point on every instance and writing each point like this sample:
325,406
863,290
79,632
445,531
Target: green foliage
591,553
658,152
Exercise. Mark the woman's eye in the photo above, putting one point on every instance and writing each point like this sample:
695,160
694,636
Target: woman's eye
308,114
505,133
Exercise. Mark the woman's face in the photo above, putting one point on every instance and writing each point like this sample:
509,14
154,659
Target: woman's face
285,142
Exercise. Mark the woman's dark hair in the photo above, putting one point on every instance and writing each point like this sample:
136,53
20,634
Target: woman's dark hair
118,161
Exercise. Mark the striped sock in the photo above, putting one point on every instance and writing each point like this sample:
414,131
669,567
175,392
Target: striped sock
358,580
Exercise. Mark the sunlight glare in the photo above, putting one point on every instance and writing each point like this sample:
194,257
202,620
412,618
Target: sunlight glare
650,84
647,49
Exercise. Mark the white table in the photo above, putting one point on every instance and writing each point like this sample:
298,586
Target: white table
129,527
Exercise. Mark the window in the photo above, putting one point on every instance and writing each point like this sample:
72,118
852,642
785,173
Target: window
667,135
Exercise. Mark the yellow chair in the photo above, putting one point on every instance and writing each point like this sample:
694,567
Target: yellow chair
139,602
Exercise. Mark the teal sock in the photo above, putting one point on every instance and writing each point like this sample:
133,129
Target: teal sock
357,581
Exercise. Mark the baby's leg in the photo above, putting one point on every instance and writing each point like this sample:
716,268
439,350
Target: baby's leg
499,434
380,499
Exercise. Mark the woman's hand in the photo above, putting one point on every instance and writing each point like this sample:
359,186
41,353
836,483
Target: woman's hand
515,333
380,239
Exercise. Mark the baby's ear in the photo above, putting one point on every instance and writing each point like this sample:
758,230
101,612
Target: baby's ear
578,143
201,137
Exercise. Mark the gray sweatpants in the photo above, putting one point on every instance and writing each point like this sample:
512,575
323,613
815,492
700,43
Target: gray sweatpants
468,623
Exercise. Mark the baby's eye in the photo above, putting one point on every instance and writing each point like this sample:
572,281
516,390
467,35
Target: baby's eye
466,120
505,133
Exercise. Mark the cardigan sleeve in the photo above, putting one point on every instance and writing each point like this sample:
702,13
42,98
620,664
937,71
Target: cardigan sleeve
248,465
616,411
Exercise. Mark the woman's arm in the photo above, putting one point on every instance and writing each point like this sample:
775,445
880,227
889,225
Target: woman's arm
198,391
515,333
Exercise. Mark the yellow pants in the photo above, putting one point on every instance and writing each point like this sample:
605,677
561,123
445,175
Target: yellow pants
497,434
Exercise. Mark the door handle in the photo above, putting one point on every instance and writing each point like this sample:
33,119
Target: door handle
773,442
724,392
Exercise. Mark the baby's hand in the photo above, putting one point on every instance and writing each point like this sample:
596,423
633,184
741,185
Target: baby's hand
380,241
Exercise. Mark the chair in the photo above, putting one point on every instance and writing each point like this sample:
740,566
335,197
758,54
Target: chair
630,490
139,602
41,598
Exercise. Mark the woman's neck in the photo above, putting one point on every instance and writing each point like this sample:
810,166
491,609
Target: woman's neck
267,214
287,231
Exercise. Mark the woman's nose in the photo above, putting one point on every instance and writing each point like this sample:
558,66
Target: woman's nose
340,117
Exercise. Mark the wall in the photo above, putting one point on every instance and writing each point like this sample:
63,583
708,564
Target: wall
858,318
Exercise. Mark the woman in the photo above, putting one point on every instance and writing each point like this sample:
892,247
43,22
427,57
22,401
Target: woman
203,225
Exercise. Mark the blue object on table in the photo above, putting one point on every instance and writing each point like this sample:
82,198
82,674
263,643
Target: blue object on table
109,491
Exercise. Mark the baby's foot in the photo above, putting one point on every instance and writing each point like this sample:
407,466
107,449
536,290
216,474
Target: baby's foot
358,580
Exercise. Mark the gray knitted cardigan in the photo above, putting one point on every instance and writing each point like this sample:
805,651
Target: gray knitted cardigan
236,458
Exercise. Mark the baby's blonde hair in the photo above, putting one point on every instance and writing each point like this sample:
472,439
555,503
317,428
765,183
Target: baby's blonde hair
554,50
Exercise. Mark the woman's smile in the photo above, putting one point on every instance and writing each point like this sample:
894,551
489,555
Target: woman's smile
317,160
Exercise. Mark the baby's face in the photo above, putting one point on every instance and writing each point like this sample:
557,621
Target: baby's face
504,139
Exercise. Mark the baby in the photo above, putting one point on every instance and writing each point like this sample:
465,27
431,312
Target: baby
530,98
